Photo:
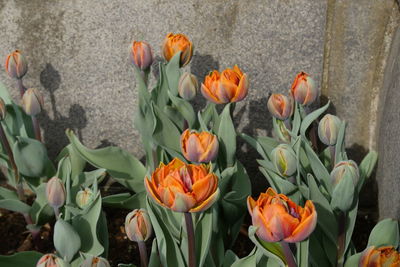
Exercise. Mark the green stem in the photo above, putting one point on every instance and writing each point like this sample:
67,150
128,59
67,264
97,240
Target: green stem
332,149
21,87
288,254
36,128
191,241
143,254
341,239
56,212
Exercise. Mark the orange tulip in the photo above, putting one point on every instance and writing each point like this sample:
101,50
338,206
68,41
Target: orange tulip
303,89
183,187
229,86
16,65
376,257
199,147
280,106
278,218
175,43
141,55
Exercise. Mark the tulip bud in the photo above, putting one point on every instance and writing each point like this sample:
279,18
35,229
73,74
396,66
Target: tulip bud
345,170
188,86
16,65
175,43
284,160
138,226
93,261
84,198
55,192
199,147
328,129
280,106
303,89
3,109
32,102
50,260
141,55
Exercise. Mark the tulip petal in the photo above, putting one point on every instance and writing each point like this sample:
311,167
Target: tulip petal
194,149
242,89
208,95
152,191
211,151
251,203
207,203
263,231
306,226
183,202
204,187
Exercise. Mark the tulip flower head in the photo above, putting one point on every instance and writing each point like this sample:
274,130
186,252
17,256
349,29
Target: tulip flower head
32,102
280,106
280,219
3,109
328,129
175,43
284,160
188,86
199,147
138,225
346,169
93,261
183,187
55,192
50,260
231,85
141,55
16,65
383,256
303,89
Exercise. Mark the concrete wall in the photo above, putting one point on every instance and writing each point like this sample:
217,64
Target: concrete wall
78,54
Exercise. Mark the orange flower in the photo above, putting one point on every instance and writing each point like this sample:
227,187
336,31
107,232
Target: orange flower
141,55
16,65
376,257
175,43
199,147
183,187
229,86
303,89
278,218
280,106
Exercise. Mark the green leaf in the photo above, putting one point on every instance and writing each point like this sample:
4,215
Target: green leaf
41,212
230,258
14,205
102,232
125,168
63,231
340,152
308,120
385,233
227,137
86,226
302,253
173,73
166,134
203,234
160,93
248,261
353,260
26,259
144,95
366,167
185,108
343,195
154,260
126,201
296,123
350,223
31,157
77,162
254,143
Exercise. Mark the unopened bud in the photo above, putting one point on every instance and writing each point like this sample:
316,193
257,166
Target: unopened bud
55,192
188,86
16,65
3,109
328,129
284,159
303,89
84,198
93,261
138,226
50,260
141,55
345,170
32,102
280,106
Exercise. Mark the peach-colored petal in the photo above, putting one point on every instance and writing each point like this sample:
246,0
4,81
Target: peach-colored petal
208,95
211,151
251,203
194,149
263,231
203,188
305,228
279,222
152,191
183,202
242,89
206,203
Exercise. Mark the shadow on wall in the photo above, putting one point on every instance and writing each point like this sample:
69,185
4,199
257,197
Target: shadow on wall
54,129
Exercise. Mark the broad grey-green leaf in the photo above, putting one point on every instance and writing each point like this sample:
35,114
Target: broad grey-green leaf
385,233
185,108
41,212
66,240
127,169
25,259
248,261
366,167
126,201
173,73
353,260
254,143
166,134
203,234
154,260
227,137
14,205
308,120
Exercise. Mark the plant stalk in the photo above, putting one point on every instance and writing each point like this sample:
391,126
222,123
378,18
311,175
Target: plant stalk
36,128
288,254
56,212
143,254
21,87
332,149
191,241
341,239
